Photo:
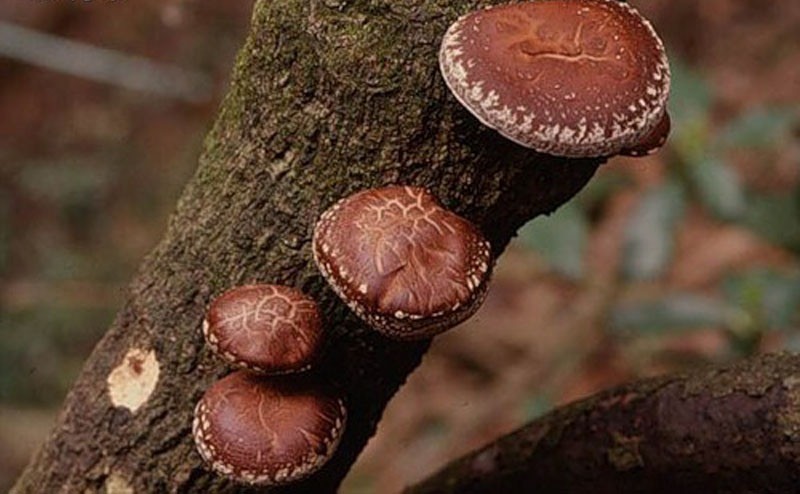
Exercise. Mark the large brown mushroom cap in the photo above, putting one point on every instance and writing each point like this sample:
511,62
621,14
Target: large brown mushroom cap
574,78
259,430
268,328
401,261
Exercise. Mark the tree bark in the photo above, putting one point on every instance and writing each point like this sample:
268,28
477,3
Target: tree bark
734,430
328,97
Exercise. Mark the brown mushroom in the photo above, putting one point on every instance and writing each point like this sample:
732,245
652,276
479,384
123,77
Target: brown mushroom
268,328
575,78
260,430
402,262
653,141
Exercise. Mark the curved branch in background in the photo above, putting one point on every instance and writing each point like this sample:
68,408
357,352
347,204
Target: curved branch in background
327,98
731,430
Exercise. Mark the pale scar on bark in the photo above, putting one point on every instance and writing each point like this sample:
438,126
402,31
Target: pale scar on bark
132,382
116,484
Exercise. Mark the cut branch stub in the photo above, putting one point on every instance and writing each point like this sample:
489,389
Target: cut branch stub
267,328
260,430
402,262
575,78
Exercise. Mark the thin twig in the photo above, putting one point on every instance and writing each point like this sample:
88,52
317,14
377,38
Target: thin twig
102,65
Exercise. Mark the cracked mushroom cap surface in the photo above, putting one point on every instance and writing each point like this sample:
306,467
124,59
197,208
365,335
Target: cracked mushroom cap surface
403,263
271,431
267,328
574,78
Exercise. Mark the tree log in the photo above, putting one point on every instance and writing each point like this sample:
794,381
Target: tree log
734,430
328,97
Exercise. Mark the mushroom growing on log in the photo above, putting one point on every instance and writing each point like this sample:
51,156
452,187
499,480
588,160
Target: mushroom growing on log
259,430
267,328
402,262
574,78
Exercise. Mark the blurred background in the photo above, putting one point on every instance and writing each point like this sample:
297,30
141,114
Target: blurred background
686,258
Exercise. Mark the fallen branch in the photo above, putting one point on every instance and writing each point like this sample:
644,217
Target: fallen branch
731,430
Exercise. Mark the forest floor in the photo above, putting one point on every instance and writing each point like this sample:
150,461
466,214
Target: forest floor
667,263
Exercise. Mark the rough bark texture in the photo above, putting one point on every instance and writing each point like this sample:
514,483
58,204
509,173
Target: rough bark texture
328,97
731,430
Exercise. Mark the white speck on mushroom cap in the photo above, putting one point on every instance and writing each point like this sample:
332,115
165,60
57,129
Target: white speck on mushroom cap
402,262
267,328
535,71
653,141
131,383
260,430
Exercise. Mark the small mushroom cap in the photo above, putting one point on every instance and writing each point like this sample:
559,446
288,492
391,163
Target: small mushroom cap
575,78
653,141
268,328
402,262
261,430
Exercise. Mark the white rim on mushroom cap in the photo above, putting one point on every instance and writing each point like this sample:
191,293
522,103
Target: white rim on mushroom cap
575,78
260,430
272,329
402,262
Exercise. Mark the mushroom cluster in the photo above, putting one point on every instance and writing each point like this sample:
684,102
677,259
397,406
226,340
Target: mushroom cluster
403,263
254,426
574,78
409,267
